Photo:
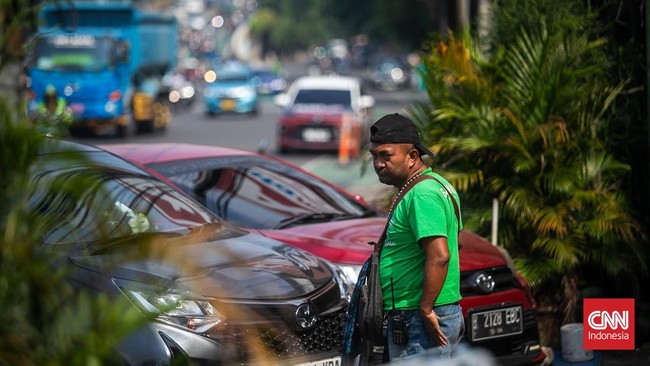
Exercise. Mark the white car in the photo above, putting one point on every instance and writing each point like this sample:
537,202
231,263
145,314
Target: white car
324,113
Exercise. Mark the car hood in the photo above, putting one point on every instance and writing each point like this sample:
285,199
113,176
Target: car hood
244,267
346,242
341,242
477,253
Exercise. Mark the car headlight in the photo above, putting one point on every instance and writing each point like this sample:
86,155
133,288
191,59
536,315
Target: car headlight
346,279
184,310
187,92
174,96
351,272
397,74
278,84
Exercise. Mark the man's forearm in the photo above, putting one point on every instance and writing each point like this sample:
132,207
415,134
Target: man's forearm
435,270
434,278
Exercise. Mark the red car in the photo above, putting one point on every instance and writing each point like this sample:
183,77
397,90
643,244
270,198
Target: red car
323,112
274,198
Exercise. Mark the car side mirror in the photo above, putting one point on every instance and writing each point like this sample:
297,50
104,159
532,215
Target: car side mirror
122,52
282,100
366,101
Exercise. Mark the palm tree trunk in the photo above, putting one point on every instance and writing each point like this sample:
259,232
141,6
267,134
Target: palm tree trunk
11,74
571,297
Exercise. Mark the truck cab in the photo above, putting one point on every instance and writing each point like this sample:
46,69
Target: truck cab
107,59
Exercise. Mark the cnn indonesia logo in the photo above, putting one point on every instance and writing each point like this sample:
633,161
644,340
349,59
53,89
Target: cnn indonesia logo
609,324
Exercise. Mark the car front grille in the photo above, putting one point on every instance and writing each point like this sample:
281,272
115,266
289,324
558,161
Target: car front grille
273,329
503,278
278,340
283,342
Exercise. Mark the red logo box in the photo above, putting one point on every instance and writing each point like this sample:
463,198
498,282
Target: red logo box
608,324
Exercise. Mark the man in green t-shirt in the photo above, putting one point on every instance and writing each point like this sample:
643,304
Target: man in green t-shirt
419,267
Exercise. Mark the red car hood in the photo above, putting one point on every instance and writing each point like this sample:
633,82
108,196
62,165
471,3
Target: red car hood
346,242
342,242
479,253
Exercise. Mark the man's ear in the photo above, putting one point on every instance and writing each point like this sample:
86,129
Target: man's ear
414,154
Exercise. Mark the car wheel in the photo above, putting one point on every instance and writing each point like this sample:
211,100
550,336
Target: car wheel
144,126
123,131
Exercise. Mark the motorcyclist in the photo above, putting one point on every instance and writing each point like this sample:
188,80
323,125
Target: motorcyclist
53,116
52,104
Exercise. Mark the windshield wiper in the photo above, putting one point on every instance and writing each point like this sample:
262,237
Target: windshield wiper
312,217
368,213
130,241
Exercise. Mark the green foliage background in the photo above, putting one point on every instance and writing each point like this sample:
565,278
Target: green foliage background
529,114
43,320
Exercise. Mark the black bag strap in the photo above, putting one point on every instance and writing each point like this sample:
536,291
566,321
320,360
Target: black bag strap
453,200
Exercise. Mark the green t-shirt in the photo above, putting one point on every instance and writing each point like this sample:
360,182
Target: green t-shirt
426,210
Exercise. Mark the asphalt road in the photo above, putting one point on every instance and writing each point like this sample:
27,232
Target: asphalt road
193,125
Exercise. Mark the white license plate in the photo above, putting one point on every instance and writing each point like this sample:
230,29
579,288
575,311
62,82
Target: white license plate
497,323
334,361
316,135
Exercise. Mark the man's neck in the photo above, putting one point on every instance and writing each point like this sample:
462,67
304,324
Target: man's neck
414,173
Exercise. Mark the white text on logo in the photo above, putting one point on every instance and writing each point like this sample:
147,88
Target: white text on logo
599,320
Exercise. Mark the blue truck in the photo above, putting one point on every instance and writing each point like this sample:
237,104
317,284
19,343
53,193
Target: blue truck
107,60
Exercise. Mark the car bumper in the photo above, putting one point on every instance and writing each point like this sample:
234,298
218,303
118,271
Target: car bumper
521,349
230,105
516,349
309,137
294,144
161,344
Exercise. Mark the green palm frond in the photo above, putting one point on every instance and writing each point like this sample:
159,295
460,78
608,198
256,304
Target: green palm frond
520,202
599,170
537,269
565,252
552,221
526,125
463,181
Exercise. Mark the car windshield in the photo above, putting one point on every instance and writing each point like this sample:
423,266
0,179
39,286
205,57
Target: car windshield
324,96
87,202
265,75
232,78
387,66
259,193
74,53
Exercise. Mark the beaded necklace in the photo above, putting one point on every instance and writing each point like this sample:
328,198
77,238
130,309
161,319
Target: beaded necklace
399,194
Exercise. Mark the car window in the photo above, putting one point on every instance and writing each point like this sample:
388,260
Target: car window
232,78
323,96
107,202
256,193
